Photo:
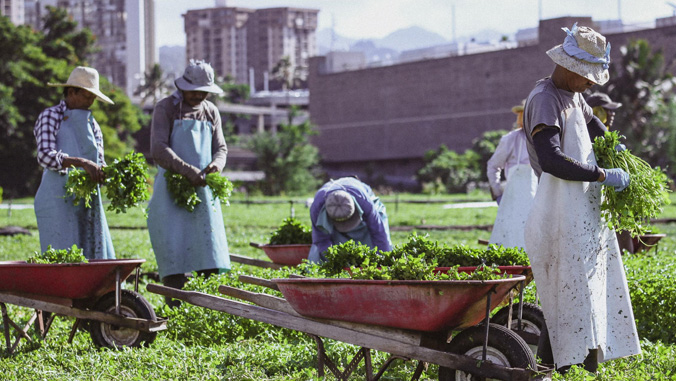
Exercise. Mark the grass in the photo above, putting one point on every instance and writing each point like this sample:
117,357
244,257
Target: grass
273,354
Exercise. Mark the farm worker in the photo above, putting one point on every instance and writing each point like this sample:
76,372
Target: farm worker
186,137
67,135
575,257
604,109
511,155
347,209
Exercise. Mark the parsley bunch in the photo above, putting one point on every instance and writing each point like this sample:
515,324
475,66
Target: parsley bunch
72,255
185,194
644,198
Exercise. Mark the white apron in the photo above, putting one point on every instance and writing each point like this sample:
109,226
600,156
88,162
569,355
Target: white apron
515,205
577,264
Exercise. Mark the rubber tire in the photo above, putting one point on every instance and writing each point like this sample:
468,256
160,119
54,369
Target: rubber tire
532,318
505,348
132,304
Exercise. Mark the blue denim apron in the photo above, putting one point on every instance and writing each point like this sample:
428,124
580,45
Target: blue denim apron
185,241
62,224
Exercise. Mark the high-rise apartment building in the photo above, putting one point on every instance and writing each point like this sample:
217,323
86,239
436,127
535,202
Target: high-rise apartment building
14,9
124,30
242,41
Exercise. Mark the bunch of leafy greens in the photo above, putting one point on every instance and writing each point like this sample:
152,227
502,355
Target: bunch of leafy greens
126,182
414,260
291,232
645,197
72,255
185,194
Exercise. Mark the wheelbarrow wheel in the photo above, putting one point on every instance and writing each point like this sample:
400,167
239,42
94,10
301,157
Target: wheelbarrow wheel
505,348
132,305
532,320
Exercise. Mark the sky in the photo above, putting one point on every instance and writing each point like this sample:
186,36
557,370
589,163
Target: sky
365,19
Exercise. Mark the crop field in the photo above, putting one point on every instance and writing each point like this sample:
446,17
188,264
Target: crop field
202,344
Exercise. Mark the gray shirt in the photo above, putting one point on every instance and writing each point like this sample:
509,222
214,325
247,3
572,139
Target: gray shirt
172,108
544,106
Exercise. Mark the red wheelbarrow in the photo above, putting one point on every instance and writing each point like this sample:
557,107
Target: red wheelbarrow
286,255
91,292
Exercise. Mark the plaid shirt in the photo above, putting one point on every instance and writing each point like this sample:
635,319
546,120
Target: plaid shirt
47,127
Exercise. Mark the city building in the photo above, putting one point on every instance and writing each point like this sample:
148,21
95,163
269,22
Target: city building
124,30
14,9
246,44
382,120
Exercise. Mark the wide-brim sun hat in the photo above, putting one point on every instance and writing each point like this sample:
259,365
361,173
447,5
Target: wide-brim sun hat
86,78
341,211
519,108
585,52
603,100
198,76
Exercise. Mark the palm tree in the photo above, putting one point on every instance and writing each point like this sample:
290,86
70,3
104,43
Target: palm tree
155,85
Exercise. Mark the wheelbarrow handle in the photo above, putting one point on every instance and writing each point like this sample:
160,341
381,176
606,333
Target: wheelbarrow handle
254,244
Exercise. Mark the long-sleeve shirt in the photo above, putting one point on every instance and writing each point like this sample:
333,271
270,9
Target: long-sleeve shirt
365,198
510,151
47,127
173,108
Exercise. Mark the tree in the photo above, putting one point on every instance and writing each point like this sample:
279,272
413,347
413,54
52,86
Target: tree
25,70
288,75
155,85
485,146
286,158
448,168
642,82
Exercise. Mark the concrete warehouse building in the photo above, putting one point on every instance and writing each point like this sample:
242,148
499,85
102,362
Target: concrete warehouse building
383,120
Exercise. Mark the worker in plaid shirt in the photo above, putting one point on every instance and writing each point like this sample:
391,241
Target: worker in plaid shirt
67,136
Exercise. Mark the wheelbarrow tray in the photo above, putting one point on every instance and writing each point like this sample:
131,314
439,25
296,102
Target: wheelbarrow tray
65,280
289,255
428,306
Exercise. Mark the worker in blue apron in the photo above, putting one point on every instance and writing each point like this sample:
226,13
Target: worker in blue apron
347,209
67,136
187,138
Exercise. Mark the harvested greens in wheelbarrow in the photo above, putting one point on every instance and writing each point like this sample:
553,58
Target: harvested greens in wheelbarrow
126,183
644,198
291,232
51,255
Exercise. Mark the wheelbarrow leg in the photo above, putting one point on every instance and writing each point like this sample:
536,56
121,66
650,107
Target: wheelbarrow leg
73,330
5,324
324,361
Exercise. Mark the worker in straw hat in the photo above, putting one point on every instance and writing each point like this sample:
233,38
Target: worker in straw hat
511,156
575,257
186,137
67,136
347,209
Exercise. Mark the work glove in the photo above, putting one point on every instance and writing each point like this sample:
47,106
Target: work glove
620,147
497,199
616,178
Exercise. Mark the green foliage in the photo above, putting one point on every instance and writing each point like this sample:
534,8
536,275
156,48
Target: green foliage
185,194
643,199
126,183
287,158
291,232
155,85
643,82
448,167
485,146
72,255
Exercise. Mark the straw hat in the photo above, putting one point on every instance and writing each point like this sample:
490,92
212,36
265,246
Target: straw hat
585,52
519,108
198,76
84,78
603,100
341,210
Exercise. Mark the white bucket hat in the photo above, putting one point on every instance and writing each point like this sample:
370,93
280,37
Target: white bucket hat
584,52
198,76
341,210
84,78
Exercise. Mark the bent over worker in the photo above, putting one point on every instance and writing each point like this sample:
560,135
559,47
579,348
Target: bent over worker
187,138
347,209
67,135
575,257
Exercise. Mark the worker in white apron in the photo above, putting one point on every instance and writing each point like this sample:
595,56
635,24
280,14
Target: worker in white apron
67,135
574,255
187,138
511,155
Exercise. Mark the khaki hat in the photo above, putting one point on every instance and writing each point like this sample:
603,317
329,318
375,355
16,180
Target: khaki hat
603,100
585,52
198,76
519,108
341,210
84,78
